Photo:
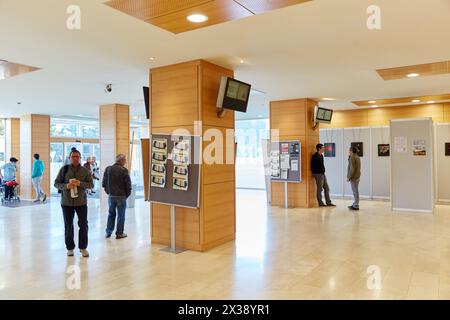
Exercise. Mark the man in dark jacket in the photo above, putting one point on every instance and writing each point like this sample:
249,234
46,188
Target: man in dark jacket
354,175
117,184
318,171
73,180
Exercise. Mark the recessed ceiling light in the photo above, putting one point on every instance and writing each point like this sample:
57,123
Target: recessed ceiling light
431,101
328,99
413,75
152,58
415,100
372,101
197,18
241,61
375,106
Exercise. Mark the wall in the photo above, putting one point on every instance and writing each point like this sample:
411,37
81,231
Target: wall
13,140
439,112
442,136
293,119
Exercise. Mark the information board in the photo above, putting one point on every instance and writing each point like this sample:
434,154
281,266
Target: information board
175,170
285,161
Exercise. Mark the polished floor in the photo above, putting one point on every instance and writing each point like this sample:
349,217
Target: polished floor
279,254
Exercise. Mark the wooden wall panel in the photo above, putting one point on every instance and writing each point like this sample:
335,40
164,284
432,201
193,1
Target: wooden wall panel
34,138
174,95
447,112
351,118
145,153
288,117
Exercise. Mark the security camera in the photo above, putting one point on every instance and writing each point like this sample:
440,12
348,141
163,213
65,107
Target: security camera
108,88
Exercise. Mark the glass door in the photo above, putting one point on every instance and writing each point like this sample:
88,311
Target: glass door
56,162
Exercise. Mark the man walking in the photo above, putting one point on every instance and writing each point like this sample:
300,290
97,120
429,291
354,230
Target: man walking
353,175
318,171
73,180
36,178
117,184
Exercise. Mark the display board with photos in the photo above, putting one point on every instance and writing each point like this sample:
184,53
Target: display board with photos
285,161
175,170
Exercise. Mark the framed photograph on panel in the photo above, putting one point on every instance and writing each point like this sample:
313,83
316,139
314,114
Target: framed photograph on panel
360,147
384,150
447,149
330,150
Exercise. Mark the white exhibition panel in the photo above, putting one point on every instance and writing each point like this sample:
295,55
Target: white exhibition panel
381,174
442,162
333,165
412,176
358,135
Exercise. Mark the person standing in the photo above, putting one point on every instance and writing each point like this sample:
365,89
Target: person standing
318,171
73,180
117,184
354,175
9,177
95,171
36,178
88,165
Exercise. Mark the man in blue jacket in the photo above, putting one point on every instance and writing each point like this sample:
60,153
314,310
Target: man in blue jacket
36,178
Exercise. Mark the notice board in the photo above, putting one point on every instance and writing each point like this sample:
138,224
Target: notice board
175,170
285,161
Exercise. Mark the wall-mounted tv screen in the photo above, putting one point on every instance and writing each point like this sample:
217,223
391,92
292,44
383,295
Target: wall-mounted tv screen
233,94
323,115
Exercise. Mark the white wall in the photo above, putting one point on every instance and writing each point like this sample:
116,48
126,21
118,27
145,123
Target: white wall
333,166
442,162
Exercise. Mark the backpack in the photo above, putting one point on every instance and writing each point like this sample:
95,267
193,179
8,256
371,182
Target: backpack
65,170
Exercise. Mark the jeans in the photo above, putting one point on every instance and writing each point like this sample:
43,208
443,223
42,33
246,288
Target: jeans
322,184
117,205
69,214
37,186
355,184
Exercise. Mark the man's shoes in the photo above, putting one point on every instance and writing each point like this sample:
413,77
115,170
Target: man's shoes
36,201
121,236
84,253
322,205
331,205
45,198
70,253
108,235
353,208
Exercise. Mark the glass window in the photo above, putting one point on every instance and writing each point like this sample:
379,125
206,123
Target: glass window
68,128
90,132
249,159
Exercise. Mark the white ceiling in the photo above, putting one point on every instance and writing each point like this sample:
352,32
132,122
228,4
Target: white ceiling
318,49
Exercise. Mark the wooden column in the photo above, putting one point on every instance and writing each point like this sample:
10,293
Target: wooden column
293,119
34,138
114,135
182,94
13,140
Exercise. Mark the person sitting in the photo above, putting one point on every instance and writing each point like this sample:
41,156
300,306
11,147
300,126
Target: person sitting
9,177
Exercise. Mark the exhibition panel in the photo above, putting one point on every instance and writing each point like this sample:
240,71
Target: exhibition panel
442,154
412,165
334,158
380,173
359,137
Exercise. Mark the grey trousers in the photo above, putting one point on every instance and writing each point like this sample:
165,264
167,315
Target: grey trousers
355,184
322,185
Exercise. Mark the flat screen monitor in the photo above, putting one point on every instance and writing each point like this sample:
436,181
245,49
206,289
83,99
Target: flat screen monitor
233,94
147,101
323,115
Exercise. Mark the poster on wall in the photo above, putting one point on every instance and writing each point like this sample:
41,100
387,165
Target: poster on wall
400,144
419,148
447,149
330,150
384,150
360,147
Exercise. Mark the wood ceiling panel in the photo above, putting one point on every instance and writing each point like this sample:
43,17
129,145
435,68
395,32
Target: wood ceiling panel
148,9
261,6
427,69
217,11
405,100
11,69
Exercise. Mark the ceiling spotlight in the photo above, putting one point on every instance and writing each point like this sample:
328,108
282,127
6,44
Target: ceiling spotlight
431,101
415,101
413,75
241,61
328,99
108,88
375,106
152,59
372,101
197,18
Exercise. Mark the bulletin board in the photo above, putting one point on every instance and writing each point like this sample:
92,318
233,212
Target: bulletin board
285,161
175,170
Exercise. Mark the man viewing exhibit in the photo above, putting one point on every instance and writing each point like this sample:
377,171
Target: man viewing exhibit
354,175
318,171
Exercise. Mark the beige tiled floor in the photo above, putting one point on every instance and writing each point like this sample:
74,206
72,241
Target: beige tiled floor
278,254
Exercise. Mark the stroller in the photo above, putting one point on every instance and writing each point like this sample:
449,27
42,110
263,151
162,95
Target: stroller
14,195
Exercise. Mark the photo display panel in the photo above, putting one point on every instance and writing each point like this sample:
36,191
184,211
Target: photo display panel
175,170
285,161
